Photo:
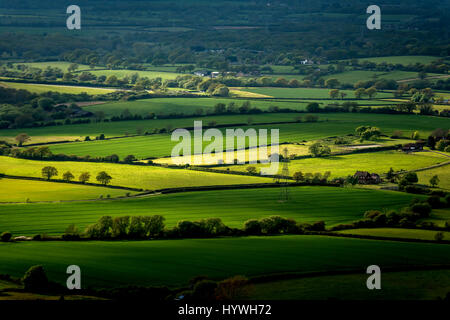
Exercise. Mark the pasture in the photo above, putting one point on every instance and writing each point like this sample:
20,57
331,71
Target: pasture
125,128
330,125
373,162
122,73
174,262
426,285
443,174
307,204
396,233
133,176
404,60
309,93
14,190
41,88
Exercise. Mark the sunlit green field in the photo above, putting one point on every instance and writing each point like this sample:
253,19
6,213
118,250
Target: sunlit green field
330,124
308,93
307,204
26,190
173,263
376,162
40,88
397,233
333,125
142,177
149,74
443,174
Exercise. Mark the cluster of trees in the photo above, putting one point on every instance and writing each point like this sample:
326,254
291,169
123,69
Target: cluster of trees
319,149
407,217
367,133
136,227
313,178
439,139
49,172
151,227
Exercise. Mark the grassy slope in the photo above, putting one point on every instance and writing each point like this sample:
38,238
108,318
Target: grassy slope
189,106
410,285
80,131
161,145
404,60
378,162
443,174
397,233
234,207
339,123
308,93
40,88
21,190
143,177
173,262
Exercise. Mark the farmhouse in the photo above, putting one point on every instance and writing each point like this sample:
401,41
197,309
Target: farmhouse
413,147
365,177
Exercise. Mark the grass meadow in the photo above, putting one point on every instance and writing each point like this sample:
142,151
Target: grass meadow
330,124
174,262
307,204
41,88
443,174
396,233
161,145
26,190
377,162
133,176
405,285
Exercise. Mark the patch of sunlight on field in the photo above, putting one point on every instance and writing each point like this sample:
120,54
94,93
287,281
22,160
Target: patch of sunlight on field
31,191
377,162
134,176
40,88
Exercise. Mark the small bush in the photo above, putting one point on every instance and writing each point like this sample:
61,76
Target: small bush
423,209
35,279
439,236
435,202
252,227
6,236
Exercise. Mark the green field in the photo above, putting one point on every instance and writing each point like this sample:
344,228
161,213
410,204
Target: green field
149,74
142,177
98,71
375,162
22,190
397,233
357,75
189,106
331,124
443,174
234,207
174,262
309,93
404,60
406,285
161,145
63,65
124,128
41,88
